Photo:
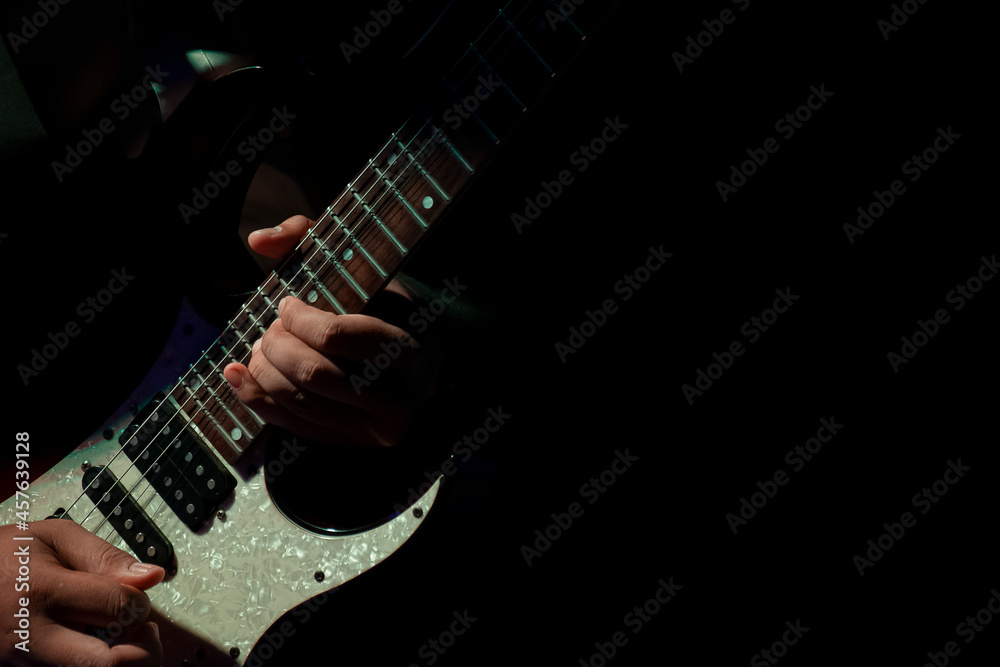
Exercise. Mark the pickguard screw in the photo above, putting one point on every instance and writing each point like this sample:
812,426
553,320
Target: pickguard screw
319,576
418,512
234,652
85,466
221,515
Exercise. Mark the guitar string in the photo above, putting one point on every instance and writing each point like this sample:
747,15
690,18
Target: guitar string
362,234
149,489
364,221
216,365
324,264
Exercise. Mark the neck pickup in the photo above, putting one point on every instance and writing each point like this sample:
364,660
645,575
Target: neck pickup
162,444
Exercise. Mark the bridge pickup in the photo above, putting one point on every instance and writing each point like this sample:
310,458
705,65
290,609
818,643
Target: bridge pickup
129,520
189,478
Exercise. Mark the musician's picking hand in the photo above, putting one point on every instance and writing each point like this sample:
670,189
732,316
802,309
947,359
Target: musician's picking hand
63,579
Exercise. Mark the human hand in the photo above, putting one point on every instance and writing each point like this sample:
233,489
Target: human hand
74,578
306,372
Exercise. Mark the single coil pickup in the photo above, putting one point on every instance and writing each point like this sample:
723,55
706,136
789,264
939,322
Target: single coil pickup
130,521
189,478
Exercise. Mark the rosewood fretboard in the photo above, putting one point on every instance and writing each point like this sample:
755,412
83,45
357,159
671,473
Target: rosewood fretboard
362,238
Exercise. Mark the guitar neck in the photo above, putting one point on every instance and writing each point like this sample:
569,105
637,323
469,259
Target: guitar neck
385,212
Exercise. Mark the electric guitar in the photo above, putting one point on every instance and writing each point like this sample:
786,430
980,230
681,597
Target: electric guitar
183,483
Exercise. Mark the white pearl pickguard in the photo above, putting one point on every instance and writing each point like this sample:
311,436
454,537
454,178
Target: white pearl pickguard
237,575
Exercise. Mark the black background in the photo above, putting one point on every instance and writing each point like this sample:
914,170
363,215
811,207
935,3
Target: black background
666,516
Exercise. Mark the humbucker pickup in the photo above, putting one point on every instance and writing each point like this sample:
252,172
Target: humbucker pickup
189,478
129,520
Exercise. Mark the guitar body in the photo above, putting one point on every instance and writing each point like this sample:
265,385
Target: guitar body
252,560
228,582
233,579
238,556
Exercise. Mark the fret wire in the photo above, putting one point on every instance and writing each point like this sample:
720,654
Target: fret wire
378,221
530,48
270,305
473,114
216,371
211,418
256,323
568,20
423,171
362,222
369,206
379,226
329,297
227,353
287,287
321,288
406,204
489,67
451,147
255,416
191,389
357,242
340,268
369,209
200,405
222,403
482,34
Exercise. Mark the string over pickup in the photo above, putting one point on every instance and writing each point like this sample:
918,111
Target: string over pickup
130,521
191,481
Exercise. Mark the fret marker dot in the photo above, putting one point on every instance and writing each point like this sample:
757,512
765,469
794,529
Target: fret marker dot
348,255
312,296
428,201
236,434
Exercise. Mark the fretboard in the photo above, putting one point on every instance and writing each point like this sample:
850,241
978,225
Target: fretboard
363,237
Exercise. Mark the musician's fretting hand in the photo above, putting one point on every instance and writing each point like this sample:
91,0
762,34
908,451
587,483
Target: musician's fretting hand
74,579
307,373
